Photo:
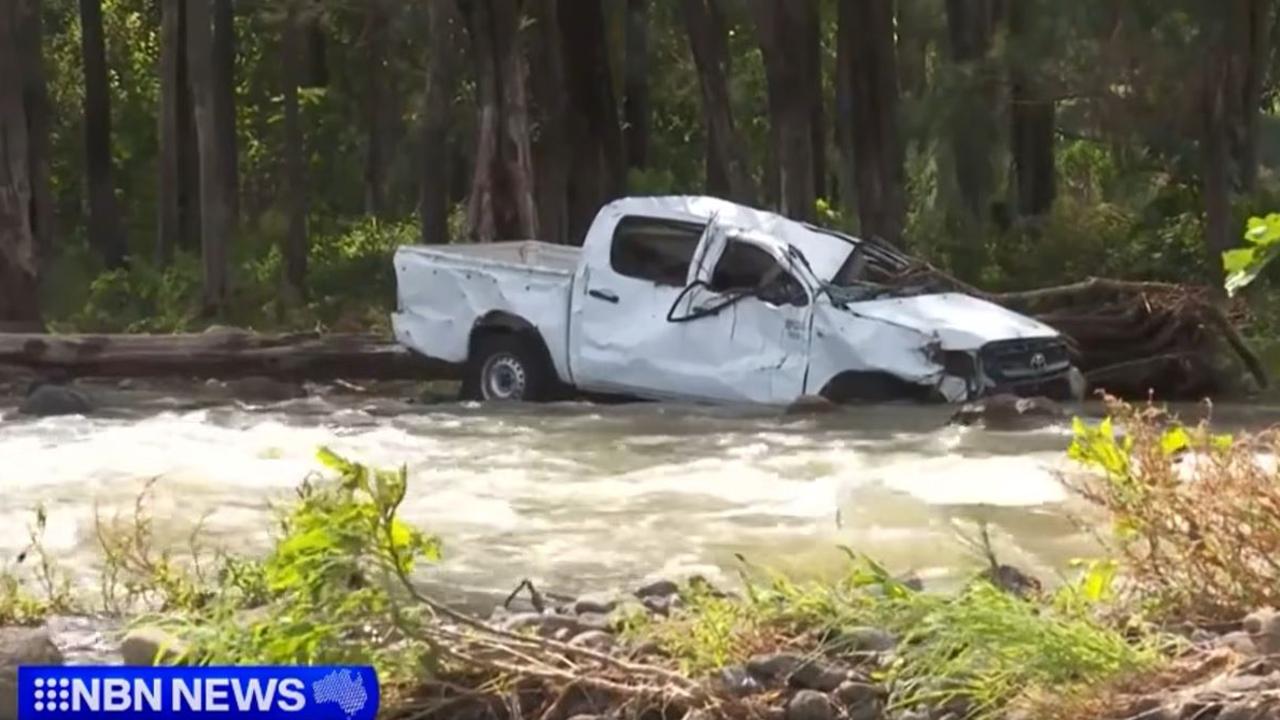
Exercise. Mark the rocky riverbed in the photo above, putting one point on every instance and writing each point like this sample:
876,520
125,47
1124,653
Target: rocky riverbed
1229,672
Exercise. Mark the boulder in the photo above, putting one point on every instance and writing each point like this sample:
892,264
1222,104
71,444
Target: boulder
146,646
867,640
21,646
1010,412
658,588
599,604
810,705
46,400
737,681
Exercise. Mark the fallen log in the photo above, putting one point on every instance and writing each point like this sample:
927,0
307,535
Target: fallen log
220,354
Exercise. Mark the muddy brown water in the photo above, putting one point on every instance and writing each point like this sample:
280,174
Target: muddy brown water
575,497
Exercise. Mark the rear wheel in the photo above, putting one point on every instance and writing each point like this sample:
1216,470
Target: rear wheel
508,368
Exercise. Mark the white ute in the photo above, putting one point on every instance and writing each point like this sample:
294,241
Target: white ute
699,299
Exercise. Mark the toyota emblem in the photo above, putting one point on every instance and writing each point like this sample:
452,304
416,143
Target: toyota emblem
1038,361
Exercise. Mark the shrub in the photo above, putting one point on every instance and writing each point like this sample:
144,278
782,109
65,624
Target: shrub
1196,516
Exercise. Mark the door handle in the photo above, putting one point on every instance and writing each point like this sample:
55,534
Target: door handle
605,295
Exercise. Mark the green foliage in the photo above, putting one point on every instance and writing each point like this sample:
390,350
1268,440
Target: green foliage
330,591
1262,245
1194,513
982,646
19,604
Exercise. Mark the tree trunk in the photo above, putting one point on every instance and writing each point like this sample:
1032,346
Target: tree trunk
224,85
869,56
637,105
216,209
599,169
786,28
444,45
710,56
294,251
105,232
717,181
1250,31
36,102
19,262
1032,120
377,107
551,149
1215,160
501,205
178,198
972,127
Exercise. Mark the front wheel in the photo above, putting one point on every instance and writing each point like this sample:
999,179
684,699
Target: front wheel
508,368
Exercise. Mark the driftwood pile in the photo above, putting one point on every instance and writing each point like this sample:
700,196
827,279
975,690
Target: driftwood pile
1132,339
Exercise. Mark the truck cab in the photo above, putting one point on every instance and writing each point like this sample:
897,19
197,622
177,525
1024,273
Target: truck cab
698,299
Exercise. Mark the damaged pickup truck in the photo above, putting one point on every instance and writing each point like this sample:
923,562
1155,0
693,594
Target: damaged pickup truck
699,299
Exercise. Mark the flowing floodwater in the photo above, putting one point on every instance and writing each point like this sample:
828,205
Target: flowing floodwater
575,497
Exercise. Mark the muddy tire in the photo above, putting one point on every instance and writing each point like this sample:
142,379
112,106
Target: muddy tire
508,367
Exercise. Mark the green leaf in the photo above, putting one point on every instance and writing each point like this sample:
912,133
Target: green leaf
1175,440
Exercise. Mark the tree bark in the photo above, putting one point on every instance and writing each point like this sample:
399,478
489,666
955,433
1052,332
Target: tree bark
1032,119
444,45
551,148
178,197
1250,33
294,251
19,261
785,29
36,102
710,56
501,205
637,105
598,172
216,208
869,61
302,356
224,84
105,232
377,107
1215,158
973,129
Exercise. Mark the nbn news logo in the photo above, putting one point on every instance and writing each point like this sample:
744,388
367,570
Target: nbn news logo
178,693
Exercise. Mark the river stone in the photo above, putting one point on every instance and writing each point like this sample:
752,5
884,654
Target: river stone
593,621
810,705
659,588
659,604
1007,412
1241,642
861,701
51,400
543,625
21,646
737,681
867,640
1263,627
601,604
809,674
597,640
146,646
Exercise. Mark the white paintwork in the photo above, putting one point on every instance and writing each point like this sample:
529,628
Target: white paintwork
750,352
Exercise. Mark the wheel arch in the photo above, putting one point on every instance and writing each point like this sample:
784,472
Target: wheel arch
499,322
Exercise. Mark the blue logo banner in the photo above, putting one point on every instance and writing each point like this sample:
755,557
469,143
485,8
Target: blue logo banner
170,693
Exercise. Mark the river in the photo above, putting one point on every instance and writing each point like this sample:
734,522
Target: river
575,497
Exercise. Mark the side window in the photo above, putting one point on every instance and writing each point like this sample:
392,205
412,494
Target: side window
745,267
655,250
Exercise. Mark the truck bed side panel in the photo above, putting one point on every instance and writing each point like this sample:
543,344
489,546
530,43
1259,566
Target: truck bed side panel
443,295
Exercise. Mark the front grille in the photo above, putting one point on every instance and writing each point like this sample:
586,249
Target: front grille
1011,360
